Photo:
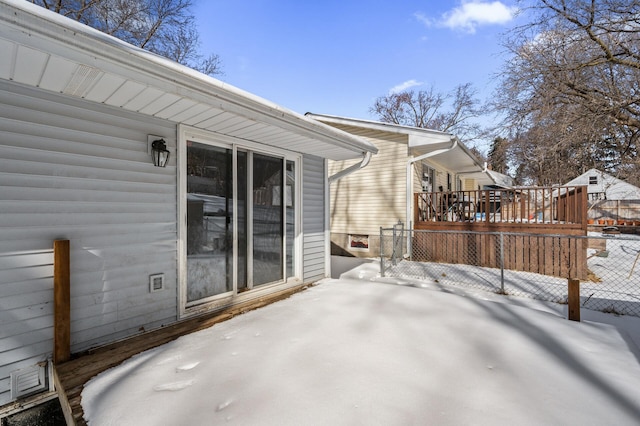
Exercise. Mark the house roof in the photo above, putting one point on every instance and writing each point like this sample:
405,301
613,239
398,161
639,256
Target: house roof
421,141
379,125
501,180
54,53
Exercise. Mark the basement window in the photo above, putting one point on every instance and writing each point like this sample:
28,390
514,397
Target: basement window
359,242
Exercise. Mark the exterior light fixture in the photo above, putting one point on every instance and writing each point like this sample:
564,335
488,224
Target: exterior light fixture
160,153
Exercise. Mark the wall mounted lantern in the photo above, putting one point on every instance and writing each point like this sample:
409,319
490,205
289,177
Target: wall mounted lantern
160,153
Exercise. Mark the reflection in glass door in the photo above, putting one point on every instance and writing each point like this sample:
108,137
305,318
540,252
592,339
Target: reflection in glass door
209,221
242,220
267,219
290,217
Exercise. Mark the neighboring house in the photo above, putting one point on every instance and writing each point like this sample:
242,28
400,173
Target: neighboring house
602,186
609,198
410,160
149,245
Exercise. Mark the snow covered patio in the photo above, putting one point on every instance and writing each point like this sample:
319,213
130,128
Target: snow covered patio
367,350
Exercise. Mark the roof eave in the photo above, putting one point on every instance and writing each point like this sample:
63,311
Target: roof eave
110,54
377,125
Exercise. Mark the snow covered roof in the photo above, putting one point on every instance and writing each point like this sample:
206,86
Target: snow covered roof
500,179
54,53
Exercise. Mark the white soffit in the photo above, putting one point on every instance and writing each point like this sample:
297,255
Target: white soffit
430,141
45,50
456,161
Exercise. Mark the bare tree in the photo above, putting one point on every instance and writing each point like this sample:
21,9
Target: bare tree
571,90
451,112
165,27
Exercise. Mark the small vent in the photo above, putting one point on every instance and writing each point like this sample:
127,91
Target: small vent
81,81
156,282
28,381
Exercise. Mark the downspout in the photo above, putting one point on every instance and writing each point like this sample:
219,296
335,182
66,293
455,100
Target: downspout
410,186
366,157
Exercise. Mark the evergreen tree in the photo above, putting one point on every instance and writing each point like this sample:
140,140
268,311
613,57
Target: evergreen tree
498,155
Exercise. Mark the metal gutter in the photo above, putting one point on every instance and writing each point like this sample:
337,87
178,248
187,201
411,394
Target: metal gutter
366,157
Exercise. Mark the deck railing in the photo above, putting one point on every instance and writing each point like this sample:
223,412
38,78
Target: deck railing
565,205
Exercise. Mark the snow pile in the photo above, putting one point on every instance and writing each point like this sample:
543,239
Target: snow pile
366,350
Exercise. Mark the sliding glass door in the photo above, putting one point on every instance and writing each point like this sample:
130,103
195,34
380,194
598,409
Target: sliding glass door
241,220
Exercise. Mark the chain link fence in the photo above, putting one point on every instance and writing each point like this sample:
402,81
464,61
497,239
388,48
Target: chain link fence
608,266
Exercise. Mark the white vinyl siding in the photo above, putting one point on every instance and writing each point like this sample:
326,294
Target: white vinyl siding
374,196
440,179
416,180
75,170
470,184
313,210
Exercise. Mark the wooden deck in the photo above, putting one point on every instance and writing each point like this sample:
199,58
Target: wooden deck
71,376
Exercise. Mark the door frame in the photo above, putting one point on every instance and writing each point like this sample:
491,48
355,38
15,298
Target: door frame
185,309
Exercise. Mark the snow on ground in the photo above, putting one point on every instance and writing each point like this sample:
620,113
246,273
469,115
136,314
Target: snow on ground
360,349
619,265
613,284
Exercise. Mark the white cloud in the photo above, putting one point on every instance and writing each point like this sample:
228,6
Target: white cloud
421,17
404,86
472,14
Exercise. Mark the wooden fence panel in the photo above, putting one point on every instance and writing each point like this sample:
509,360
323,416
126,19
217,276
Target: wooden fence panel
526,264
620,210
564,258
560,256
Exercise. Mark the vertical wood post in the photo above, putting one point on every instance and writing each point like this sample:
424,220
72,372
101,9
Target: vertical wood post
584,203
61,302
574,299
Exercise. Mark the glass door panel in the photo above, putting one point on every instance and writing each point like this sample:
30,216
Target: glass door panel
242,196
291,217
267,219
209,221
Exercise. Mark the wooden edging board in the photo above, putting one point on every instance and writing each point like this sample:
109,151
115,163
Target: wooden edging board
71,376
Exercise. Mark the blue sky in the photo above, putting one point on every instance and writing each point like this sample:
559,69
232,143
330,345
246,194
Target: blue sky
337,57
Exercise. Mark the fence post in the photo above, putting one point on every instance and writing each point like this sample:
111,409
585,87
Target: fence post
381,253
61,302
401,240
502,263
402,244
393,246
573,299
